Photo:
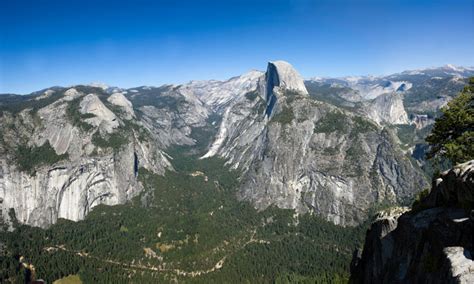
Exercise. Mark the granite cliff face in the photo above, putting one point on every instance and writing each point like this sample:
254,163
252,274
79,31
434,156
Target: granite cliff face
431,243
100,154
299,153
387,109
325,146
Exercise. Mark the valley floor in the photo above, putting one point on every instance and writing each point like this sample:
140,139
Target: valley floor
185,227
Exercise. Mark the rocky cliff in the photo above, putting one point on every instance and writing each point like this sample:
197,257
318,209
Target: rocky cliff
329,149
431,243
299,153
387,109
62,159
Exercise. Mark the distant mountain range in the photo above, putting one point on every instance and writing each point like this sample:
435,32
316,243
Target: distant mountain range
343,140
229,180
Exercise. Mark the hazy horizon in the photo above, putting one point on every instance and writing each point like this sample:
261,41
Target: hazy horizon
98,83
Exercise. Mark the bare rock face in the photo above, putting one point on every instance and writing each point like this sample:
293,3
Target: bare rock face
102,116
454,188
387,109
281,74
431,243
338,173
68,190
219,94
302,154
71,94
86,175
421,120
120,100
292,150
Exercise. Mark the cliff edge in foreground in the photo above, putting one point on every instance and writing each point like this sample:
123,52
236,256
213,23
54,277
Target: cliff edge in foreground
431,243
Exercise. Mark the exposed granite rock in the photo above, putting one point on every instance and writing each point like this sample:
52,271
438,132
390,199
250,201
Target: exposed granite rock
293,154
429,244
120,100
88,176
453,188
336,174
280,77
421,120
387,109
219,94
281,74
270,130
102,116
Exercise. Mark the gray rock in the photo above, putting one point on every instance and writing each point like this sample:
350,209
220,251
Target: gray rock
89,176
291,150
286,161
433,245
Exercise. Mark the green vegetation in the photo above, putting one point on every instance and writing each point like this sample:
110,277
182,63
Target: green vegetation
251,96
186,223
76,117
285,116
156,97
452,136
427,90
332,121
406,133
16,103
29,158
330,94
362,125
114,140
338,121
354,154
417,206
291,96
331,151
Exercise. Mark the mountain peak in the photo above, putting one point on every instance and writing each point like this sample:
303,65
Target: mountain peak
282,74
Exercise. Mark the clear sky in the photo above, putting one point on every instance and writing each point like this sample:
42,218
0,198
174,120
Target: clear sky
130,43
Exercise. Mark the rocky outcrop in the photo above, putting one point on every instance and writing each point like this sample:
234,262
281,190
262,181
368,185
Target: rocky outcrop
292,150
280,77
121,101
302,154
337,169
101,116
219,94
387,109
454,188
432,243
69,189
170,113
421,120
88,174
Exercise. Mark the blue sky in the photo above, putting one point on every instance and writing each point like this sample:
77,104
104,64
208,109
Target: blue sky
130,43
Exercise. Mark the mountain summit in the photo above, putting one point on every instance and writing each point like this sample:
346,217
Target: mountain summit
282,74
319,146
